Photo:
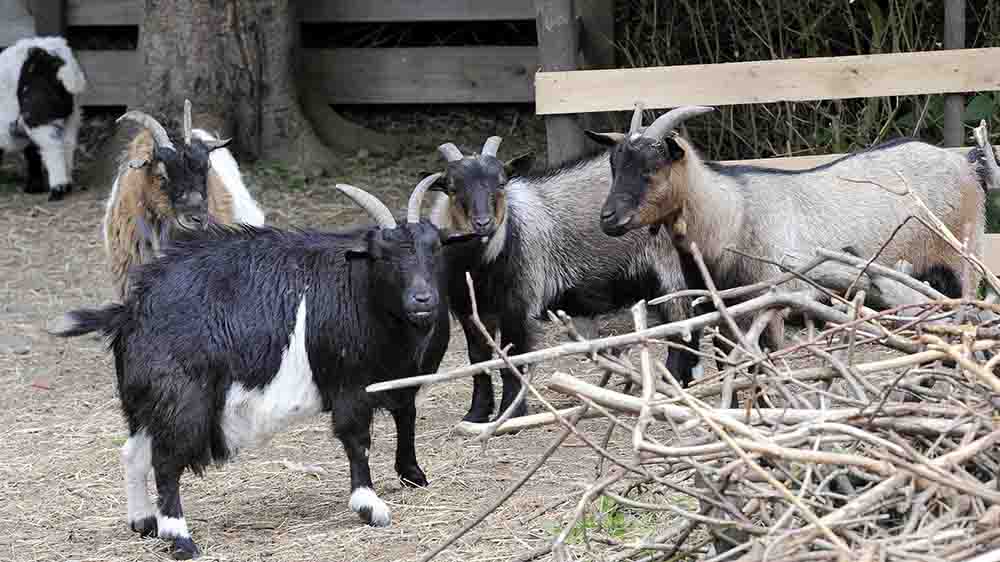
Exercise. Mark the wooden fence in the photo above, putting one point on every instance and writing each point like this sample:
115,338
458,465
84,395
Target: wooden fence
461,74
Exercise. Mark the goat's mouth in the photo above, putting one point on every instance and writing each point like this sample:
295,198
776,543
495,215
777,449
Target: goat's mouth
420,318
192,222
618,223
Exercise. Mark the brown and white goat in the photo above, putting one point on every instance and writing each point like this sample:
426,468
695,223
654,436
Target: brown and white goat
161,187
659,179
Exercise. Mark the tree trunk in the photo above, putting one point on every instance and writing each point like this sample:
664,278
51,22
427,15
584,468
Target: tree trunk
234,59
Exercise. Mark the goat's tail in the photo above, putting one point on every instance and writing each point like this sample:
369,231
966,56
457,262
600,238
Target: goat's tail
107,320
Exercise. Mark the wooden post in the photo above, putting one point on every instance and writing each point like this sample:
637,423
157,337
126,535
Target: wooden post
954,104
557,51
50,16
597,50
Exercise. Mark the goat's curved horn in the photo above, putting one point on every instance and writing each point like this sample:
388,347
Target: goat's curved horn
160,136
671,119
491,146
187,122
636,119
375,208
450,152
417,197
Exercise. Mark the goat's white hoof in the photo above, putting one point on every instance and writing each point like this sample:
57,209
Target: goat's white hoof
370,507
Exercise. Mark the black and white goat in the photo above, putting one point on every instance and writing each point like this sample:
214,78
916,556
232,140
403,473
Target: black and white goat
236,332
162,187
39,110
659,179
537,251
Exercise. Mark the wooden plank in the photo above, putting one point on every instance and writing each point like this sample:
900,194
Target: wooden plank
414,10
804,162
423,75
934,72
954,104
16,22
50,16
991,252
112,76
103,12
558,43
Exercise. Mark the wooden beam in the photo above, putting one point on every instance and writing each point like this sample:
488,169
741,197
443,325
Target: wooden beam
112,76
103,12
50,16
423,75
954,104
17,22
897,74
557,51
414,10
804,162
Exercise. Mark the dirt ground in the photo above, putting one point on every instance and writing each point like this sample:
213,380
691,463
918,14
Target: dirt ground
61,482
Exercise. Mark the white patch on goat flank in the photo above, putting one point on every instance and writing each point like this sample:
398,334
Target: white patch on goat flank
171,527
365,500
137,457
251,417
245,209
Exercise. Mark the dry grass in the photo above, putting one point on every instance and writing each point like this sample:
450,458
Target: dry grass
60,429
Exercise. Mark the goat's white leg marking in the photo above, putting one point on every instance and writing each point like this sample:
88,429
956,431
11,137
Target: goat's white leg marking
138,460
251,417
370,507
171,527
51,143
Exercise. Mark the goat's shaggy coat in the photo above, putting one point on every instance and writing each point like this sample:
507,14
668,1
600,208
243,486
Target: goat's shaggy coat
138,197
39,111
542,253
235,333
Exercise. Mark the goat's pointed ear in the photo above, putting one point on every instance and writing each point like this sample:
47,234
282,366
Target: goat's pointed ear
674,149
604,139
440,184
212,145
519,165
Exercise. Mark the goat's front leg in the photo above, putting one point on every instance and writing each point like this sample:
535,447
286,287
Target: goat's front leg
482,385
514,332
405,417
51,143
352,425
34,181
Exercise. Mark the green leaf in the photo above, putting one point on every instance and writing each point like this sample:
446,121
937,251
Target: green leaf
979,107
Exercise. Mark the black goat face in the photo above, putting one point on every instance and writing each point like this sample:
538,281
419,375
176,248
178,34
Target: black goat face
642,193
476,186
184,179
407,270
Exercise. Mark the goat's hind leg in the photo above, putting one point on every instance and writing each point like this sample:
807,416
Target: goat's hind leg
405,416
138,461
170,521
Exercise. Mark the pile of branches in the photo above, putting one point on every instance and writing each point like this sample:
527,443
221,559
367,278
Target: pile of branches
884,447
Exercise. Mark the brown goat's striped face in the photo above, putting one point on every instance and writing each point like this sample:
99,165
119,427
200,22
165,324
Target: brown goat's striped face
642,193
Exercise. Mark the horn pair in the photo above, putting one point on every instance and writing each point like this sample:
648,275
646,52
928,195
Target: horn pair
666,122
160,136
451,152
379,212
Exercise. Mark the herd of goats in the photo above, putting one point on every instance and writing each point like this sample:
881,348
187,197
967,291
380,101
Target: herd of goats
228,330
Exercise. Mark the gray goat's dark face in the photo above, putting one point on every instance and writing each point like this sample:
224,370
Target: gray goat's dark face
407,269
642,193
184,179
476,186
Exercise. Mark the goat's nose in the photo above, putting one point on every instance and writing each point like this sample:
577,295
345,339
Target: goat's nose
422,297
